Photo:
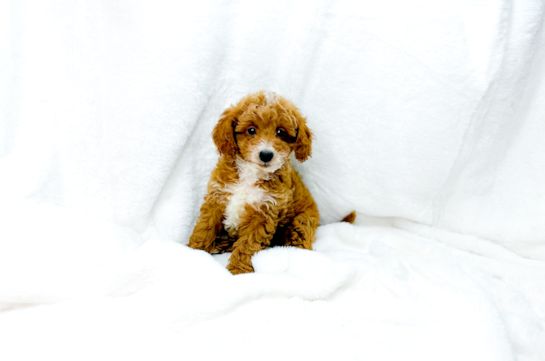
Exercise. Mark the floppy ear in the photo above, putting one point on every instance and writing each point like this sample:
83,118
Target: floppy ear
223,134
303,144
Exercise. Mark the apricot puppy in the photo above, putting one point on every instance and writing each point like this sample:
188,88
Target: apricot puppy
255,198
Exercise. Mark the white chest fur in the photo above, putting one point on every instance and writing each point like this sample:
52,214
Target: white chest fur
244,192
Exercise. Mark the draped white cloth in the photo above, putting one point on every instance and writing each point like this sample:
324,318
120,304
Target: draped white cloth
429,121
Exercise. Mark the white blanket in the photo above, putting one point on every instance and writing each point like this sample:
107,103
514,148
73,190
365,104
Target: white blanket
429,121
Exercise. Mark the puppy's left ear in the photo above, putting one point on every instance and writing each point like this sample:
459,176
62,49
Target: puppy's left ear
303,144
223,133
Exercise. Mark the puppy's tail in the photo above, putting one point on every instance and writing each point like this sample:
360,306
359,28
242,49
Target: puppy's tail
350,218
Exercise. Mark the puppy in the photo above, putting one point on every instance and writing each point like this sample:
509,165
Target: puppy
255,198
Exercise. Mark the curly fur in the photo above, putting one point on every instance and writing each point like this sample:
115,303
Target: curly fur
250,203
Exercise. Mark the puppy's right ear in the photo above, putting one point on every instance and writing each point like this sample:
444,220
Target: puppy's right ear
224,134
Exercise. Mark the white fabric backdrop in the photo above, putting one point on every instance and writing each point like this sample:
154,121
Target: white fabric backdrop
429,121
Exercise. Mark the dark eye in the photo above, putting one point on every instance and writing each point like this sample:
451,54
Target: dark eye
280,132
251,130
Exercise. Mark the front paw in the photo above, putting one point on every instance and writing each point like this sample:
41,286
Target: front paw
197,242
239,268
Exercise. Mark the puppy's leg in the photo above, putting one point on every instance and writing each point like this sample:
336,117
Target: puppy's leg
223,243
255,233
208,226
301,232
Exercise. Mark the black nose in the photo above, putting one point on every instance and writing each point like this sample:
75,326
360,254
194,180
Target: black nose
266,156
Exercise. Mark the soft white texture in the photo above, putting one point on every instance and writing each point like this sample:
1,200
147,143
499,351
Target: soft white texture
429,121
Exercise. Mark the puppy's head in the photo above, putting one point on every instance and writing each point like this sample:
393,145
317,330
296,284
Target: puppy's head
263,129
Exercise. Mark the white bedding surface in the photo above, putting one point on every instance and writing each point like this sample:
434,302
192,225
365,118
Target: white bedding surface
428,120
